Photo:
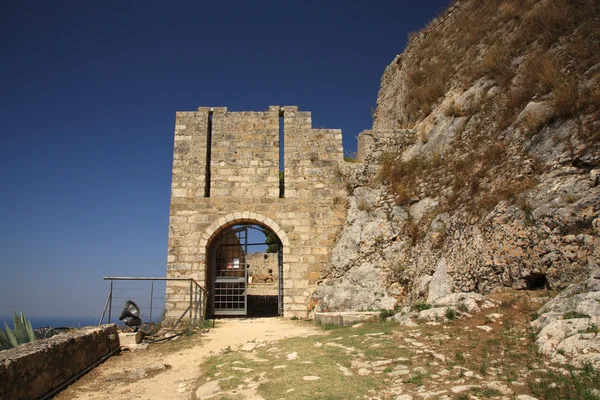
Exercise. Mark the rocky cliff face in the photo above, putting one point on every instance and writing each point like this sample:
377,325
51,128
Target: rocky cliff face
482,167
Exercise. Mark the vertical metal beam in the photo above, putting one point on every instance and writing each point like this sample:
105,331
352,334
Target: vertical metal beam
151,298
110,300
104,311
191,302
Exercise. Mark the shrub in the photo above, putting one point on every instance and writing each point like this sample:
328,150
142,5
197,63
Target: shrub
497,64
363,205
413,232
565,97
459,357
539,72
421,305
402,176
385,314
510,9
450,313
453,109
574,314
549,20
416,379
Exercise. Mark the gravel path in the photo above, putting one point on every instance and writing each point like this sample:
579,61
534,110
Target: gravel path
171,373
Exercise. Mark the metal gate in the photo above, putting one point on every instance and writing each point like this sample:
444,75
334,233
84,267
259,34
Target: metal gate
230,273
280,289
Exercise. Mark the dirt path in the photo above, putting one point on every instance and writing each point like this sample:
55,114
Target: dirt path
170,370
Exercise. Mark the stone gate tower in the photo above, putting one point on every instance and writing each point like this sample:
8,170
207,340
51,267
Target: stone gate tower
226,172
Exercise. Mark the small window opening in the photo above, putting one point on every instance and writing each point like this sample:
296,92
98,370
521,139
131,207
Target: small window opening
281,156
208,155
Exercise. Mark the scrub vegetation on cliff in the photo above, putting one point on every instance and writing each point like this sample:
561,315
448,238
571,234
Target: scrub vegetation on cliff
520,51
482,170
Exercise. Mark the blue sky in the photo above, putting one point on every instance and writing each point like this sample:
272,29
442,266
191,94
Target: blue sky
89,91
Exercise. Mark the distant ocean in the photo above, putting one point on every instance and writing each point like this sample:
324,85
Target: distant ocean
56,322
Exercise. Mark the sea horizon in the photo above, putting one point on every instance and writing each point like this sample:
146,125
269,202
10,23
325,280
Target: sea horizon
55,321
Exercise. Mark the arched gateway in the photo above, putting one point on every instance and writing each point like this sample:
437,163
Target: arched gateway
234,171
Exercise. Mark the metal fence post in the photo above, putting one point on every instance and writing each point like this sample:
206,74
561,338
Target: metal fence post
191,301
110,301
151,298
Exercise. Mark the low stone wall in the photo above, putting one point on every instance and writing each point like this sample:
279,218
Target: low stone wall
33,370
346,318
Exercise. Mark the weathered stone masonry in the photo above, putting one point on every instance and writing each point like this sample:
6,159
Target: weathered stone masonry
226,172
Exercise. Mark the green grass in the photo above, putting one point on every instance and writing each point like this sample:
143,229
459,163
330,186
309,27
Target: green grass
416,379
574,314
421,305
576,385
370,342
486,392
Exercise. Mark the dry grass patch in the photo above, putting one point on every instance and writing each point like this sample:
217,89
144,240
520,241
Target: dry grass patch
551,19
402,176
534,122
565,96
497,63
510,9
453,109
539,72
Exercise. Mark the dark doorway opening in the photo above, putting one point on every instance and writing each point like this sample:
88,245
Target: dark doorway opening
245,273
536,281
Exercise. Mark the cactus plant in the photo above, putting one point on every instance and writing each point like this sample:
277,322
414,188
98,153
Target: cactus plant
22,333
5,342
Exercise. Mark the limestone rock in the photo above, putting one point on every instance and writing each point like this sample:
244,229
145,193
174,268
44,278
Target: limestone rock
208,390
490,198
439,286
433,314
404,320
569,323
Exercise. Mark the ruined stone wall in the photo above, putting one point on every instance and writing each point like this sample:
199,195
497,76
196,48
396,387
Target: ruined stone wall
244,187
33,370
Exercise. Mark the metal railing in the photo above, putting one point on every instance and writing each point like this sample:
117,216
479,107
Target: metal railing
194,311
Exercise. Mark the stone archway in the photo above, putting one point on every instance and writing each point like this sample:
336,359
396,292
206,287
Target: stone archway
230,289
240,218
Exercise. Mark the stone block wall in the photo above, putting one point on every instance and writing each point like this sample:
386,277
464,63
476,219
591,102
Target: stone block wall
260,263
33,370
244,188
373,144
245,154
